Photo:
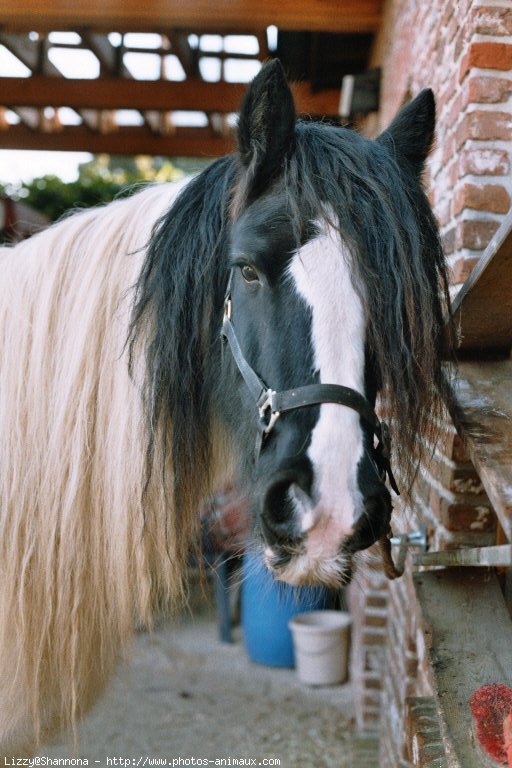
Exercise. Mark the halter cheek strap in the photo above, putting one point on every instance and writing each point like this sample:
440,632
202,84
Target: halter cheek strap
272,404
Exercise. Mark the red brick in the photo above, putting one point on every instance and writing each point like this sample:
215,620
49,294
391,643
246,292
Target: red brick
475,234
371,699
377,600
484,162
372,682
449,22
453,476
444,211
448,240
461,41
484,125
492,21
461,269
488,197
444,95
449,146
486,56
458,450
487,90
423,734
464,516
375,618
464,479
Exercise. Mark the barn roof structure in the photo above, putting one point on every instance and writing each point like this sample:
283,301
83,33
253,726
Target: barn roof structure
164,76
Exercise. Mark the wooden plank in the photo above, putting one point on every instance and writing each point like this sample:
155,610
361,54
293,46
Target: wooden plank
118,93
468,633
483,416
483,307
154,15
123,141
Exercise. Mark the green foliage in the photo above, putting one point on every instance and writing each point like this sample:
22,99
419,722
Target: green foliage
99,181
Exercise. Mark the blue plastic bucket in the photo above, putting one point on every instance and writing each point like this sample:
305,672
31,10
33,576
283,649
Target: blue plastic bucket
267,607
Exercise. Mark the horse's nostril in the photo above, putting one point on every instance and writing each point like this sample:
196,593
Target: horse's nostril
279,519
304,506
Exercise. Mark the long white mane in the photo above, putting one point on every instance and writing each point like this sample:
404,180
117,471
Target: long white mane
81,558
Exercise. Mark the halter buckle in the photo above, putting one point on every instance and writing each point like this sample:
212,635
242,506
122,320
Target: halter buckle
274,415
227,308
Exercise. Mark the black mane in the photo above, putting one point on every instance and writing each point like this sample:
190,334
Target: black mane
178,298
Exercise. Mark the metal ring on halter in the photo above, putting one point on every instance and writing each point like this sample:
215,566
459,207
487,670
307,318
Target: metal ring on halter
274,415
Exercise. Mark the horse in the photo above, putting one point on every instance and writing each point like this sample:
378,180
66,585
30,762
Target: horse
244,321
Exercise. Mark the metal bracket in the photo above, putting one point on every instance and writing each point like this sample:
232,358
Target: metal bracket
485,557
416,538
404,541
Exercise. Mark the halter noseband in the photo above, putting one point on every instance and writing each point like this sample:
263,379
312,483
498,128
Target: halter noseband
272,404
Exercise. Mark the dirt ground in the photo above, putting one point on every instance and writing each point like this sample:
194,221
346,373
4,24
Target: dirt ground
184,694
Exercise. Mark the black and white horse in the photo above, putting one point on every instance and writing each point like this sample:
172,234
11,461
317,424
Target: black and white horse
244,321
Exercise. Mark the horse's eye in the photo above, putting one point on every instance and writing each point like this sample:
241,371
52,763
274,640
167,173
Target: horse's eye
249,274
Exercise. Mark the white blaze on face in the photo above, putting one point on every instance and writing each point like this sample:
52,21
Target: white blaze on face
321,271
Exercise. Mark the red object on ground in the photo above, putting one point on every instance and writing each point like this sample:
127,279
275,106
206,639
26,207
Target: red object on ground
491,707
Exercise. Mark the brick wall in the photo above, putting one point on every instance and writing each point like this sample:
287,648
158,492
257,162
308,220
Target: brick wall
463,51
368,603
389,664
450,500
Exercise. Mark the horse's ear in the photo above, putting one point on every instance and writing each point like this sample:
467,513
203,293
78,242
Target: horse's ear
266,124
411,133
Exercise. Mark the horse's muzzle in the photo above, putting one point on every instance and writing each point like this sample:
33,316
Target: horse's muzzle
287,518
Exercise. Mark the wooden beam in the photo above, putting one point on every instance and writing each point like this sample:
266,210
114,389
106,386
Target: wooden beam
467,632
159,15
124,141
105,52
27,51
482,413
482,310
188,56
164,95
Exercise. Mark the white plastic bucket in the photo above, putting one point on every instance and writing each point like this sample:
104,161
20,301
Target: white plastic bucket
321,644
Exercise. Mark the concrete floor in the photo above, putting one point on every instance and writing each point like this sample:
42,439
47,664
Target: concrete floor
186,695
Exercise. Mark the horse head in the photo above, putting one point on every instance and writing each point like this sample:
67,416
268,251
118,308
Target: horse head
334,267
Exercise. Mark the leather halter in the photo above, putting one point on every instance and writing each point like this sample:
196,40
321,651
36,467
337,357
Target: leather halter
272,404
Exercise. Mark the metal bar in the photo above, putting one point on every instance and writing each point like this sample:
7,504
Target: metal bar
498,556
